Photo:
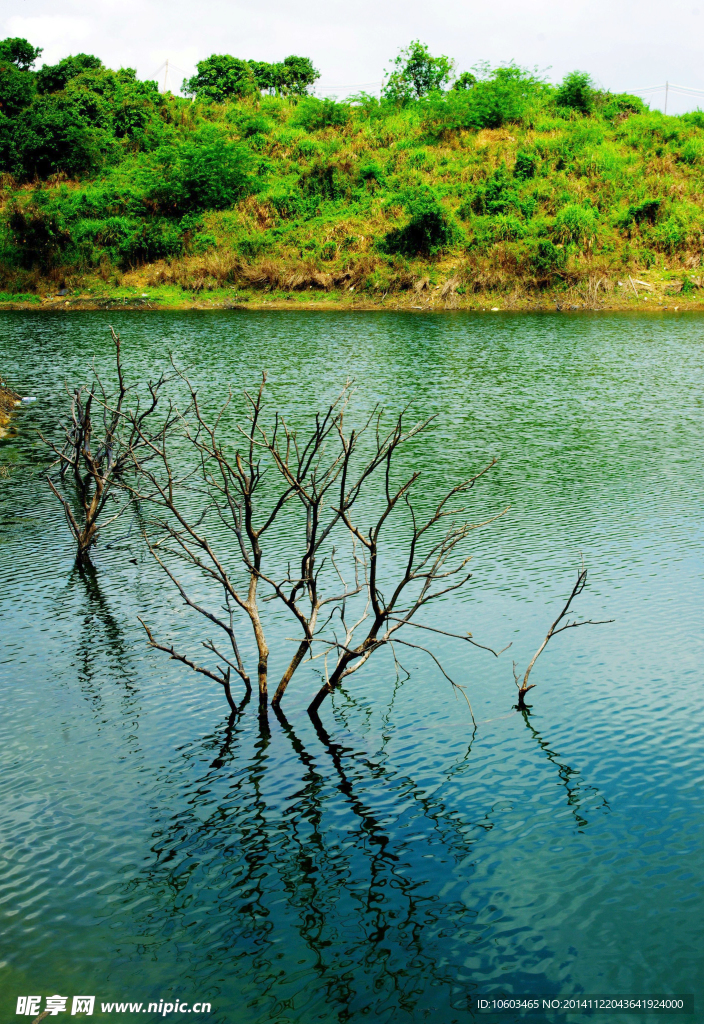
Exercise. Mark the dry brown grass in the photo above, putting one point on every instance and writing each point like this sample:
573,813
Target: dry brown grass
218,270
9,400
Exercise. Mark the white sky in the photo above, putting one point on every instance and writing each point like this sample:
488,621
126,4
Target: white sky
624,44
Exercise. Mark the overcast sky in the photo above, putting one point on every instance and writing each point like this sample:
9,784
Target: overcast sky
624,44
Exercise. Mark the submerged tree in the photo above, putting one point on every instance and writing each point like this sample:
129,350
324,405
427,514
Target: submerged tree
106,436
561,623
316,488
321,522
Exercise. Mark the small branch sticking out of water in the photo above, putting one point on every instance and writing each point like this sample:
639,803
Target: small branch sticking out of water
524,686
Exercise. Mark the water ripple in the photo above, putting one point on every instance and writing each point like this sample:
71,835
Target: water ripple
393,864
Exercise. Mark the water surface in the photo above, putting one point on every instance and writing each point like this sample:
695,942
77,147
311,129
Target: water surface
398,863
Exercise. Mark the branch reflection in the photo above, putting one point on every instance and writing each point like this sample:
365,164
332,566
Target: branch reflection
579,795
331,882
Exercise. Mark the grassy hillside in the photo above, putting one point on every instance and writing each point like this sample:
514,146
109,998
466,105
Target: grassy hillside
503,188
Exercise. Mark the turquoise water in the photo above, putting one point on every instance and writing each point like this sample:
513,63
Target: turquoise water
398,864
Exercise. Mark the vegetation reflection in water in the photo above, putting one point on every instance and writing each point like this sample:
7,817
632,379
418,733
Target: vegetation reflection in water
392,863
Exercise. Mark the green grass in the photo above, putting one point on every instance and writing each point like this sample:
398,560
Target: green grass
498,187
18,297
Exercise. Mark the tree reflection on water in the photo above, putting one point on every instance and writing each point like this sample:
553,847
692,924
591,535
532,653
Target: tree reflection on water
317,882
296,877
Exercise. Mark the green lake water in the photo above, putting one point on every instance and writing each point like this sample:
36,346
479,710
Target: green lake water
399,865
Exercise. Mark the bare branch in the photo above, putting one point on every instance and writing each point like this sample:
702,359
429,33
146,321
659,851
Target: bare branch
456,686
222,678
466,637
555,628
317,478
93,461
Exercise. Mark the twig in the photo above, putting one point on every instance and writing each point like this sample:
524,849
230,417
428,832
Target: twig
524,687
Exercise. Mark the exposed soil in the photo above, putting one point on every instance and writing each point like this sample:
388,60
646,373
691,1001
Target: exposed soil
9,400
657,299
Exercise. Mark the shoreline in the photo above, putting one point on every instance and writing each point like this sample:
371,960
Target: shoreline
338,303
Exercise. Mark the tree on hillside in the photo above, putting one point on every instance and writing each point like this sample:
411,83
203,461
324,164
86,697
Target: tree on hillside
264,75
295,75
17,89
576,91
19,52
54,77
222,77
464,81
416,73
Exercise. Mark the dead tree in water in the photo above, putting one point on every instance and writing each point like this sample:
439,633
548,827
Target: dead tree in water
523,685
233,483
104,438
331,587
427,574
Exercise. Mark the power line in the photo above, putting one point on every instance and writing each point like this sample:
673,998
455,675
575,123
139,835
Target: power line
669,86
350,85
666,87
167,66
171,65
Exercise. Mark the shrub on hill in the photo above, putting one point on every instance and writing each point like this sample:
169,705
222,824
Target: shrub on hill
54,77
198,176
576,91
102,173
53,136
504,95
314,114
428,231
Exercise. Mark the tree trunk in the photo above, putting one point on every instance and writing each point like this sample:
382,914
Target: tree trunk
334,680
86,540
318,699
262,664
286,678
522,706
228,693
